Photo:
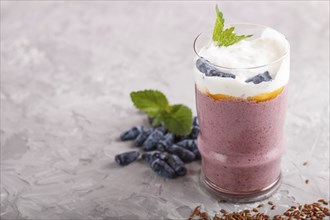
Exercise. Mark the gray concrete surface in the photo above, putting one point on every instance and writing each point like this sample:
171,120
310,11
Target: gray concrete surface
67,69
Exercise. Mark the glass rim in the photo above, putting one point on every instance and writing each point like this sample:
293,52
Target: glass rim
243,68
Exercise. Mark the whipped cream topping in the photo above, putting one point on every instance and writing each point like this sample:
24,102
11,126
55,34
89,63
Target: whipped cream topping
264,52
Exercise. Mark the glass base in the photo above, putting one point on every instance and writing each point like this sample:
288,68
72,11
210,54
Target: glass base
241,197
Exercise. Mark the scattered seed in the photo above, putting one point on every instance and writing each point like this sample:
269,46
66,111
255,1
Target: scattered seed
216,217
204,216
323,202
270,203
223,211
195,212
307,181
260,205
314,210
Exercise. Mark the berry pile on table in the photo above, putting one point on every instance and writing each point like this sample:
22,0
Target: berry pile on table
164,152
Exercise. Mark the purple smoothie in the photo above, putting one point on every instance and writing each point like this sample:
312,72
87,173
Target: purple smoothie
241,142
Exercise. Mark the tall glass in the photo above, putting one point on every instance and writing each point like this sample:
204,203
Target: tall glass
241,136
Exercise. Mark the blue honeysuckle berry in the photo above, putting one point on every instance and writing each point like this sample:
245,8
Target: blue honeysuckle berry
131,133
204,67
197,154
213,72
127,157
160,155
149,157
195,121
140,139
227,75
220,74
262,77
177,164
189,144
161,128
163,169
163,156
184,154
194,132
166,141
152,140
160,147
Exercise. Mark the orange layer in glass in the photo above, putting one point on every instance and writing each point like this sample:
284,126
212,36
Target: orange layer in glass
258,98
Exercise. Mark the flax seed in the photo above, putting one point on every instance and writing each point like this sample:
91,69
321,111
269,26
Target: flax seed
204,216
323,202
270,203
260,205
223,211
314,210
195,212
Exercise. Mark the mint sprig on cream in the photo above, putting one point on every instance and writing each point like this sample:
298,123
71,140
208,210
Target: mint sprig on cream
225,37
175,118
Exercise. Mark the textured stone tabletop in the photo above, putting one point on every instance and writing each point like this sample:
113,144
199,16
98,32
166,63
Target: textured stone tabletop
67,69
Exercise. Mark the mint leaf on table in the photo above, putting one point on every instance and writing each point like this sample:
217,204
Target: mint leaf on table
175,118
151,102
225,37
178,119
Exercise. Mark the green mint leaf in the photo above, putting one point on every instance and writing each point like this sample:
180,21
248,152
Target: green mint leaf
152,102
228,37
225,37
219,23
178,119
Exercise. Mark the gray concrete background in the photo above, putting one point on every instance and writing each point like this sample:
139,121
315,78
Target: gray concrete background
67,69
